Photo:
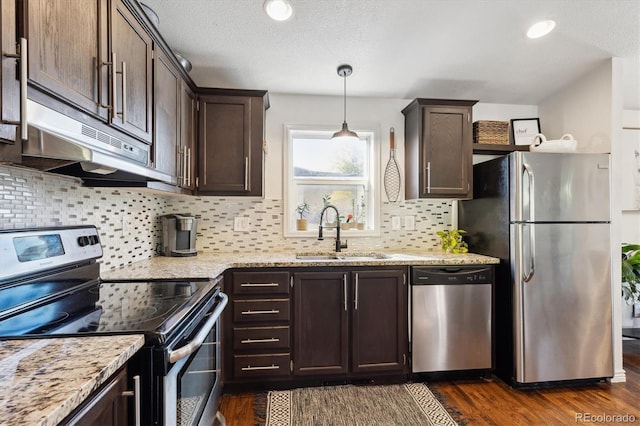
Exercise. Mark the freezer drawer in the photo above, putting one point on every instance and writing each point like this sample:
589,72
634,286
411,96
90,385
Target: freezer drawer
451,323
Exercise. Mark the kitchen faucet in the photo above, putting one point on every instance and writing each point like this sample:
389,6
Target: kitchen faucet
339,245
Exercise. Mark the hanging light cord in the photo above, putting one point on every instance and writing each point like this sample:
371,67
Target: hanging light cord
345,98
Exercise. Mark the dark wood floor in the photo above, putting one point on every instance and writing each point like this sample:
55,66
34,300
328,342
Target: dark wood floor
494,403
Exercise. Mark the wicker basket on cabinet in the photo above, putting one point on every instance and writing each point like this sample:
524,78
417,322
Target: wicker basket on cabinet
491,132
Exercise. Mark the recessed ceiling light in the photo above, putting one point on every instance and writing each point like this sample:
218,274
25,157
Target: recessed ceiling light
278,10
541,28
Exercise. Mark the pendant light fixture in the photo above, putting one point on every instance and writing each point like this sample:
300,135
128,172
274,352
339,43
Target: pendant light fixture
345,134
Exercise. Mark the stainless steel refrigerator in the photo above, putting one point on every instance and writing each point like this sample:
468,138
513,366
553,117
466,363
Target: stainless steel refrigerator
547,217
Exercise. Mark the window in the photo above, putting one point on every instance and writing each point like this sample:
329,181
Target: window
320,171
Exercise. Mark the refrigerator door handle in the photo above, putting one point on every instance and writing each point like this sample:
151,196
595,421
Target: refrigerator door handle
529,172
532,233
532,250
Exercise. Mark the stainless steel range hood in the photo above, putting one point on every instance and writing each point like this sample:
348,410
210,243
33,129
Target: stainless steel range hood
61,144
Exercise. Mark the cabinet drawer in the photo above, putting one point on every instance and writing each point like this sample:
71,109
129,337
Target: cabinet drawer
261,310
250,338
261,365
261,282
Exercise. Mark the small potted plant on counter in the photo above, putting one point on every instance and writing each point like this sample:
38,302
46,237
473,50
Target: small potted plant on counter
302,210
451,241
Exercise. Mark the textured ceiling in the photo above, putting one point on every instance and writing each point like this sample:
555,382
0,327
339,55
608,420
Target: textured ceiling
475,49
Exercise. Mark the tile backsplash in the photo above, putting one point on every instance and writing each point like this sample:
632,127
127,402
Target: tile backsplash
130,227
266,218
127,221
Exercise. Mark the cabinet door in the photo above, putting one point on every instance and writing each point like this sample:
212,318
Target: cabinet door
187,145
9,84
230,156
446,152
108,406
68,50
379,323
166,118
321,332
132,47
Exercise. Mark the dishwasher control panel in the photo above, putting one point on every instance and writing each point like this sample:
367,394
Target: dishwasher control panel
439,275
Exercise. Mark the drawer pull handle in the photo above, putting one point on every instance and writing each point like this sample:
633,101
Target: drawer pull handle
272,311
270,340
266,367
259,285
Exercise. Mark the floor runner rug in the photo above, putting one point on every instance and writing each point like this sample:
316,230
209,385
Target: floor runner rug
404,404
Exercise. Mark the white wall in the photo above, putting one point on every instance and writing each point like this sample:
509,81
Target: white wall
503,112
583,109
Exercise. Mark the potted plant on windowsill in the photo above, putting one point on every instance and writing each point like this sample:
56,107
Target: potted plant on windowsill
630,277
302,210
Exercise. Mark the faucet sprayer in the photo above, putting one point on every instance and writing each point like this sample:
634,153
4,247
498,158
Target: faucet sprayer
339,245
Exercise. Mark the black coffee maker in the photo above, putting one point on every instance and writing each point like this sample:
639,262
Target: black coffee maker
179,235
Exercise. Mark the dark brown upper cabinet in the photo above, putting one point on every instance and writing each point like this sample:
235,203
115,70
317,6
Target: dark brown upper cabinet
231,135
187,143
95,56
65,61
438,149
166,131
9,84
131,47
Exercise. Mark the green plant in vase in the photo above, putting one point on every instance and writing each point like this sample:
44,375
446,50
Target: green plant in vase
452,242
302,210
631,272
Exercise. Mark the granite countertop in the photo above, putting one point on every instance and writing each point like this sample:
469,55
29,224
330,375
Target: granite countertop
43,380
210,265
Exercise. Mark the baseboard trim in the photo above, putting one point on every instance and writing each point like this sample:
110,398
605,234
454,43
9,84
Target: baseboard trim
620,376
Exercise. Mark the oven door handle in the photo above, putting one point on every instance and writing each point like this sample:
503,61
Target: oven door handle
195,344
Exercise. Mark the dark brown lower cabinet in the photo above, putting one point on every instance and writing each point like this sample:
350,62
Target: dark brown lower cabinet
257,326
350,322
379,328
321,323
304,325
107,407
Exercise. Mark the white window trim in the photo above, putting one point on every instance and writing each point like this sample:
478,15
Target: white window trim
289,208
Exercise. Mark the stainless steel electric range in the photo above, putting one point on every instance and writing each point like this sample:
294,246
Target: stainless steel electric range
50,286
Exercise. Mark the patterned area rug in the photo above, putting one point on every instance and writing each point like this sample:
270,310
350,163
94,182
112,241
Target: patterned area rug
349,405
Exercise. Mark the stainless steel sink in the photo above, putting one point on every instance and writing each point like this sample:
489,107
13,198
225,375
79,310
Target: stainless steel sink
316,257
341,256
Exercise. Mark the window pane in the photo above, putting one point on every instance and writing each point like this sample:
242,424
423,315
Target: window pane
348,199
328,159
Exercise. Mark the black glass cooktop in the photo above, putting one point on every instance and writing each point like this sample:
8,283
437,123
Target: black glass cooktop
150,307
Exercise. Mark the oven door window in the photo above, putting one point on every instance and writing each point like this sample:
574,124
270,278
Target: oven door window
192,385
197,380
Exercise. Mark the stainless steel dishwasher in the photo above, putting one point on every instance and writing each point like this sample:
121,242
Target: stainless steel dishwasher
451,318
